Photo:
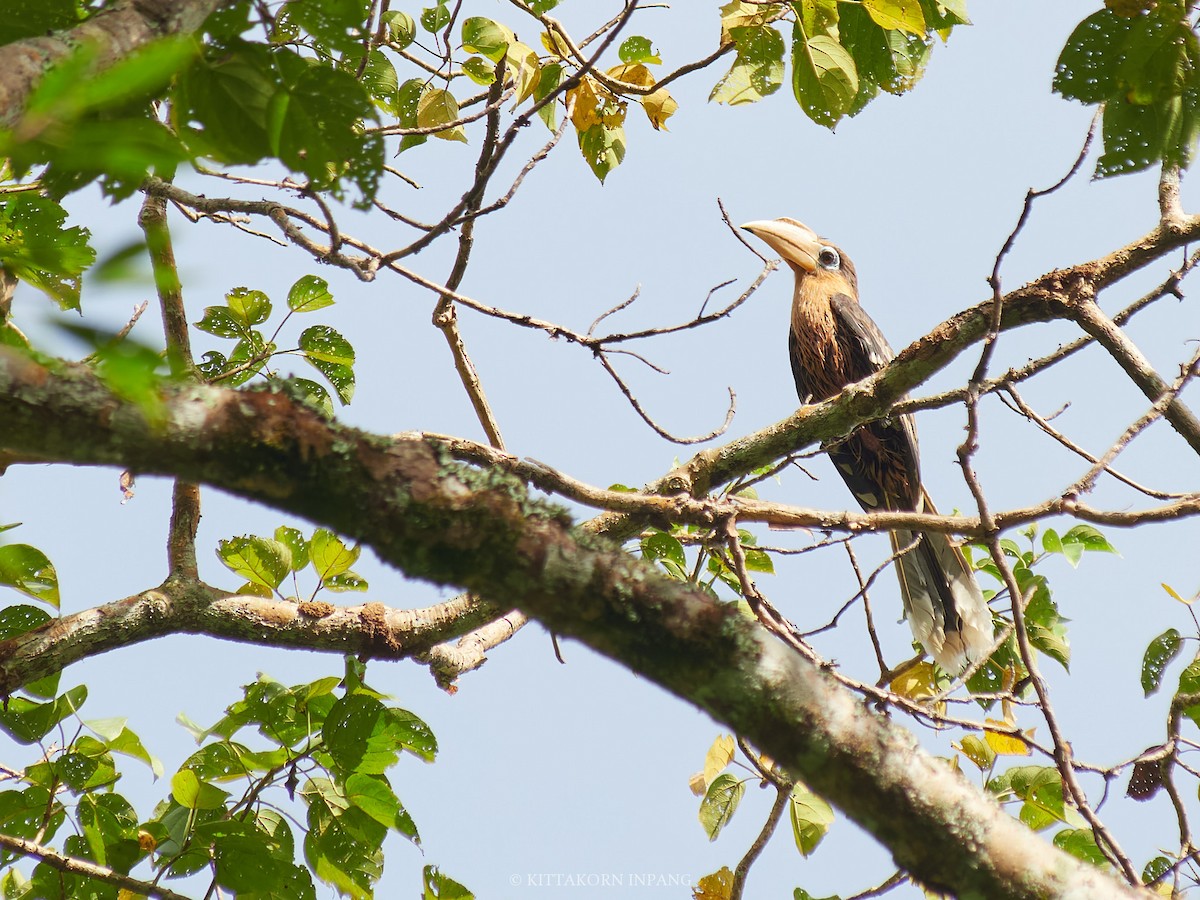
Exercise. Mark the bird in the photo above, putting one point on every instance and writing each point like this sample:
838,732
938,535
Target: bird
832,343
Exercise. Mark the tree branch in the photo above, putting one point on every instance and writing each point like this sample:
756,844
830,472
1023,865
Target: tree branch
73,866
446,523
114,33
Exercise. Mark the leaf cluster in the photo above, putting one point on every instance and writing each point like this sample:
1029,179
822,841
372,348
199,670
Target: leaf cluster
325,746
1141,62
266,562
322,347
842,54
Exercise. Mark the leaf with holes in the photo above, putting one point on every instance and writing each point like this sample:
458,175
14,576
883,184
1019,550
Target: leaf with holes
332,356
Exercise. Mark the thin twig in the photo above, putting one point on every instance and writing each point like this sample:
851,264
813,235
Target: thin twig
658,429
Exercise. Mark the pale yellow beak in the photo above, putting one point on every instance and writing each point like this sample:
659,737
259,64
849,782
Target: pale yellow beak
794,241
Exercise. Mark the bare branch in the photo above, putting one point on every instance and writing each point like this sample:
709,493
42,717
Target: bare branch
658,429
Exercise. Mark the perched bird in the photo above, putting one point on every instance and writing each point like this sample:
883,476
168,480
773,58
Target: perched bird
832,343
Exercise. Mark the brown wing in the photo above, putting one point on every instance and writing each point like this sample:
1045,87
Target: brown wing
879,462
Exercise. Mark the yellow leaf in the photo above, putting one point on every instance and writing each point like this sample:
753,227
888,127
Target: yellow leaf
594,105
739,13
717,886
917,683
1170,590
632,73
697,784
555,45
584,103
897,15
977,750
526,69
659,107
719,755
438,107
1004,744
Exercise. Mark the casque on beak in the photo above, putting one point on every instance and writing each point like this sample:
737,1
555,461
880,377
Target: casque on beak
794,241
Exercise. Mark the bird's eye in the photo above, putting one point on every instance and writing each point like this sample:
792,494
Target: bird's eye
829,258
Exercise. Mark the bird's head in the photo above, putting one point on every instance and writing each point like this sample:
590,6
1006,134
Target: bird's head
809,254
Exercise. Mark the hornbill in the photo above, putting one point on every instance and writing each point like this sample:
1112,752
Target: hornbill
832,343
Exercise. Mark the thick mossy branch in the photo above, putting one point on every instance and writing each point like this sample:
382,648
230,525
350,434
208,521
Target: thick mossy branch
446,522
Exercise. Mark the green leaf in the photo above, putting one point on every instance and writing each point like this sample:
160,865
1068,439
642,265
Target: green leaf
331,355
1189,684
435,18
442,887
359,735
1087,67
90,121
35,18
658,545
221,103
720,803
118,738
220,761
294,540
638,49
1087,538
338,24
402,30
330,555
1047,627
36,247
20,618
1155,869
248,307
313,393
343,843
1133,138
374,796
244,864
192,793
1040,787
758,561
24,813
248,358
824,77
487,38
408,98
549,78
28,570
1051,542
757,70
1081,843
346,581
28,721
1159,654
479,70
109,824
380,79
308,294
893,61
220,321
259,560
314,122
603,148
811,817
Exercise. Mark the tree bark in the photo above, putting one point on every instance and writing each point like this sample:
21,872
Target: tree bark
451,524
